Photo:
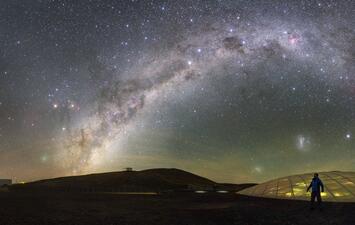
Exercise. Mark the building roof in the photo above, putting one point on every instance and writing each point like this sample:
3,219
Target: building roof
338,187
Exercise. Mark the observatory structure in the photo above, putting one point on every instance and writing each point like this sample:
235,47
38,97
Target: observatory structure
338,187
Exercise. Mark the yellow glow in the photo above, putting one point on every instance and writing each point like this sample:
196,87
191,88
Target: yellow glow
298,190
300,184
342,189
337,194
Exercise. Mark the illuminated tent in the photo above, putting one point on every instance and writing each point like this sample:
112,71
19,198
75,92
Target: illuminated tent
338,187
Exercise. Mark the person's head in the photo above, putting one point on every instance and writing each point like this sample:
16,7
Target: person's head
315,175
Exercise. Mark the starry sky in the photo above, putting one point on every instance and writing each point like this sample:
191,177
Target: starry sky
234,90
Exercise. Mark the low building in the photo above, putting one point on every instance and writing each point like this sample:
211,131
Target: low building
128,169
5,182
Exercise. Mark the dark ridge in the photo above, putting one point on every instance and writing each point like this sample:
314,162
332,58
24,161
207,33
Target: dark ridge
151,180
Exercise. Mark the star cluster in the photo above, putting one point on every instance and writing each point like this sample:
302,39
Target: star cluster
233,90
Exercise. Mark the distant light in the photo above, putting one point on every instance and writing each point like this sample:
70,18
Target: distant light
258,169
303,142
55,106
323,194
44,158
200,192
222,191
189,62
348,136
337,194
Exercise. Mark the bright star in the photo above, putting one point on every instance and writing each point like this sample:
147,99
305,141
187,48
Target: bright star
348,136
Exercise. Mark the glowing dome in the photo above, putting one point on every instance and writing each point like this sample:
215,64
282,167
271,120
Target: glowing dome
338,187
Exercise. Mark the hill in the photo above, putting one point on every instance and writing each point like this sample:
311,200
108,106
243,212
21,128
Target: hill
151,180
145,180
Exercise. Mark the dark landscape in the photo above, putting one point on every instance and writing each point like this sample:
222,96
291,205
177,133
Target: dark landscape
155,196
182,209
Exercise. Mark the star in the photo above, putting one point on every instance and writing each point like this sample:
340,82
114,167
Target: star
348,136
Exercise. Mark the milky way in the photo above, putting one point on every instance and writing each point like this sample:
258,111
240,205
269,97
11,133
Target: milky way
250,90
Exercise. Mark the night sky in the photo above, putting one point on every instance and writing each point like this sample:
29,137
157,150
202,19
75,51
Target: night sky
234,90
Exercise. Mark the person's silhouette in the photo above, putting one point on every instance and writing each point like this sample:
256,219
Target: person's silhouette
316,185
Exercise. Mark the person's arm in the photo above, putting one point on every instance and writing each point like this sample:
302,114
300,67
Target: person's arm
310,185
321,184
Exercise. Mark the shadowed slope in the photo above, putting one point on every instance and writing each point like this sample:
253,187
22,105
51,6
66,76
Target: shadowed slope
145,180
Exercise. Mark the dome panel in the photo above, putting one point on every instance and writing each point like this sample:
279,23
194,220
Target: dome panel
338,186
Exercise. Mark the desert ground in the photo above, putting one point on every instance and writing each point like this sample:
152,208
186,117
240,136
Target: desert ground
168,209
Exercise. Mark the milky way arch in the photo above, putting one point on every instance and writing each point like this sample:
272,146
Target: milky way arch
224,49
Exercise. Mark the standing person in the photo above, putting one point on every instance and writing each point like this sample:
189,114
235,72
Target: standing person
316,185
